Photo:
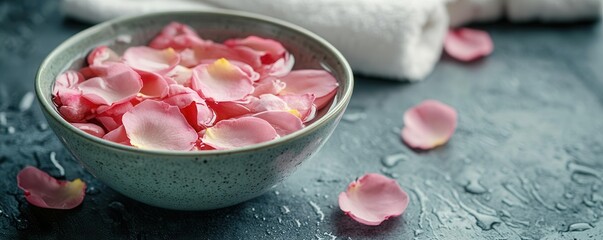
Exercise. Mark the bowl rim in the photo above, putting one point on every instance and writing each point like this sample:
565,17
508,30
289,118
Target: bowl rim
331,113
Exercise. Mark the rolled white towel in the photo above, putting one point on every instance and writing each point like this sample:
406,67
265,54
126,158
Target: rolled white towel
467,11
400,40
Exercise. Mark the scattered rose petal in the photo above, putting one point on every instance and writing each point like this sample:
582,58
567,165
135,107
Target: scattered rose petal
267,102
284,122
148,59
372,199
116,83
240,132
280,68
157,125
467,44
428,124
182,96
44,191
118,135
91,129
221,81
318,82
102,54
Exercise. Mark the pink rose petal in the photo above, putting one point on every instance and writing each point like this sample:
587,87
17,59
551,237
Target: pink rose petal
428,124
76,108
66,83
280,68
269,49
318,82
269,85
180,75
148,59
177,36
215,51
102,54
282,121
157,125
118,135
226,110
221,81
182,96
240,132
467,44
44,191
153,85
267,102
198,115
303,104
116,83
372,199
110,116
91,129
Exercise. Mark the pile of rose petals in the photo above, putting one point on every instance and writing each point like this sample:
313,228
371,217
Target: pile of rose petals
185,93
44,191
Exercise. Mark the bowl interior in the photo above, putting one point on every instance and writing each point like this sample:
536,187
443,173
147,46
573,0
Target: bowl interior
309,50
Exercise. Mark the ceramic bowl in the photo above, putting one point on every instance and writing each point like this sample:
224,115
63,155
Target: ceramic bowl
199,180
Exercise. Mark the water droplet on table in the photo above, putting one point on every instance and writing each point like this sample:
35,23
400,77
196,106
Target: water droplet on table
578,227
11,130
484,221
3,120
285,209
317,210
391,161
579,169
92,191
474,187
560,206
353,116
55,162
26,101
418,232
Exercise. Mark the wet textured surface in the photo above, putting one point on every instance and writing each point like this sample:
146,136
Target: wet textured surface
526,161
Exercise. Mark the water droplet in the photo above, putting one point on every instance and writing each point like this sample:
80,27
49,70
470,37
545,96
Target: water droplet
21,224
26,101
516,193
42,126
285,209
539,199
568,195
579,169
91,190
578,227
55,162
333,237
11,130
588,202
253,209
298,223
304,189
276,193
256,216
317,210
418,232
422,199
475,187
3,120
353,117
560,206
484,221
391,161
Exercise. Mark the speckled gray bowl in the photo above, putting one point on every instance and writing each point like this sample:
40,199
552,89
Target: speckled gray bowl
195,180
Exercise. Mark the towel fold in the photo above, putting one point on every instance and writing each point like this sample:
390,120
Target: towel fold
399,40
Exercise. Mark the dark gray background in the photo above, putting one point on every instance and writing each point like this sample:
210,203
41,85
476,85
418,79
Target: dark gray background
525,162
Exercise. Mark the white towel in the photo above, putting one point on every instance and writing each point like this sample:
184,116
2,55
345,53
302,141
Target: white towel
399,40
467,11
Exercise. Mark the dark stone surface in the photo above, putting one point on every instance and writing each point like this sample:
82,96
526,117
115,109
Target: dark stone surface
530,135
